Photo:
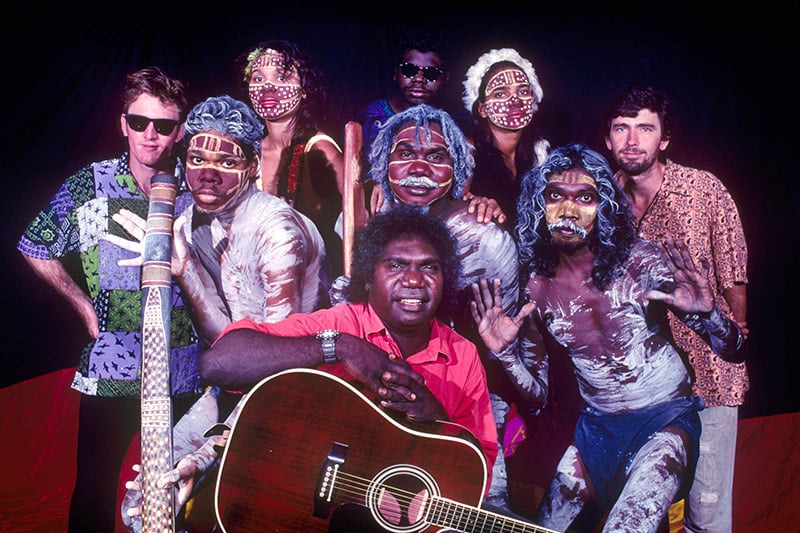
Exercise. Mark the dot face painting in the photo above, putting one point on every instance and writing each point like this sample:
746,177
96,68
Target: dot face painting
509,99
274,91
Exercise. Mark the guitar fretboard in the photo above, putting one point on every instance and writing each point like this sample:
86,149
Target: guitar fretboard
450,514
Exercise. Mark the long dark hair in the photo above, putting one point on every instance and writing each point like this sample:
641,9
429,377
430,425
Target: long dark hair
311,112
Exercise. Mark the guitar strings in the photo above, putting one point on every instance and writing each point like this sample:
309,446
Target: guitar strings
356,488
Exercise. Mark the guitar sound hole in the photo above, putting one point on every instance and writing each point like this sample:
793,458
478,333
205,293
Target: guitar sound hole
398,498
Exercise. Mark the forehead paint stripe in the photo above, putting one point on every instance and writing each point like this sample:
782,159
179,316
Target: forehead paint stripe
508,76
572,177
437,140
216,144
270,58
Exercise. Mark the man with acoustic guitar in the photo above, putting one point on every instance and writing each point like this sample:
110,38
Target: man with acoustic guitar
386,340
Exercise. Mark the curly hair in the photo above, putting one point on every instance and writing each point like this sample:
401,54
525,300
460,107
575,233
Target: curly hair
153,81
312,108
229,117
421,115
614,233
403,222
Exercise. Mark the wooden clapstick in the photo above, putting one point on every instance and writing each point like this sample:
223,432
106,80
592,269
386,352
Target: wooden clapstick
354,211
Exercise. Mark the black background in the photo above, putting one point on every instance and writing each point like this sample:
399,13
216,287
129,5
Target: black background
730,76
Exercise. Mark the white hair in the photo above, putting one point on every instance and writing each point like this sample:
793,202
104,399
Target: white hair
476,72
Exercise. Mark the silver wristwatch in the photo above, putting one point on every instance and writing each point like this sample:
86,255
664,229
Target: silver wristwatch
327,338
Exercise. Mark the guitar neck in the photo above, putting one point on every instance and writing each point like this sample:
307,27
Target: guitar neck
453,515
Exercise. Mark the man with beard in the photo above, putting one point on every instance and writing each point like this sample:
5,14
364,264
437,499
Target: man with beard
601,294
670,200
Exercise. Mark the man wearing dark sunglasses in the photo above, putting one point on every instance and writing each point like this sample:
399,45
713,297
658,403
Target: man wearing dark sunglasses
420,73
76,223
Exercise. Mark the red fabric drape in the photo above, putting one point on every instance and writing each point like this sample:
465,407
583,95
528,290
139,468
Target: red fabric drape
37,461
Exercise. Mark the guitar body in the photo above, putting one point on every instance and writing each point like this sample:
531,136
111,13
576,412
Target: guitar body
277,460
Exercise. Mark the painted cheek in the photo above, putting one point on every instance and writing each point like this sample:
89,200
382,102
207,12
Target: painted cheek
552,213
289,97
587,217
498,112
255,93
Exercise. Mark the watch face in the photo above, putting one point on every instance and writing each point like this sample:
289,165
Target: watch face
328,335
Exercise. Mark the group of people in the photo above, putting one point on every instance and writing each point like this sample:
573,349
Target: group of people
489,260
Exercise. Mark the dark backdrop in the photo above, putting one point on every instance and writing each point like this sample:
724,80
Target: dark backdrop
728,75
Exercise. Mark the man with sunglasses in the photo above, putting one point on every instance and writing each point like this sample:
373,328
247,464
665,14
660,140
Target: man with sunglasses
77,222
420,73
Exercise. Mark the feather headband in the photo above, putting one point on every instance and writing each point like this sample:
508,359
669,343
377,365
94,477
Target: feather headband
477,71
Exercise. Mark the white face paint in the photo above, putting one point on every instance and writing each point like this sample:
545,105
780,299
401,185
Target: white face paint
508,101
274,91
420,174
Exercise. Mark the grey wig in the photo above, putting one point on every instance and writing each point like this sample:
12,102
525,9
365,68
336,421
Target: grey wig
422,115
230,117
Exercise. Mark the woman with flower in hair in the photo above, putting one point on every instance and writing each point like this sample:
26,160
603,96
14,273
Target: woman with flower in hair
502,93
299,163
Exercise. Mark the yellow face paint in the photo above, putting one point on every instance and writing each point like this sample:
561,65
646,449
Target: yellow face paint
571,202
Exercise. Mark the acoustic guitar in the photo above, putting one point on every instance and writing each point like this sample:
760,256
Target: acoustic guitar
306,443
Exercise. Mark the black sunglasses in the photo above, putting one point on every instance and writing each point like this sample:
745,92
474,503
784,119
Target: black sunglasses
163,126
409,70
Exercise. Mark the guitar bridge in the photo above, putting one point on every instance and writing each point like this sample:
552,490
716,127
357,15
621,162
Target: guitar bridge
323,497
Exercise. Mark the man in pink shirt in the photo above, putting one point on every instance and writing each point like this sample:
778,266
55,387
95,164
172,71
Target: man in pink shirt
387,338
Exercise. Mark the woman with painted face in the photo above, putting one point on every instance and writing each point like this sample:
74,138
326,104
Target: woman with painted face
502,93
299,163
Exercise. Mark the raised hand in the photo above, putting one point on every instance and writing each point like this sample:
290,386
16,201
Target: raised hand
137,227
692,293
497,329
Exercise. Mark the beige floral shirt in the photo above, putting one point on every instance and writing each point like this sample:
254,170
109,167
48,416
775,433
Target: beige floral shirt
695,206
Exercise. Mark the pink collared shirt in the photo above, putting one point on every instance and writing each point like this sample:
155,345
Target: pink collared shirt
450,363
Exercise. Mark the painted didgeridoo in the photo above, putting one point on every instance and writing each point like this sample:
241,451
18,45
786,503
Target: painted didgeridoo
158,505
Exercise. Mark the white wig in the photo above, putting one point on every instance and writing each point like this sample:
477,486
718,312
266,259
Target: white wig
476,72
